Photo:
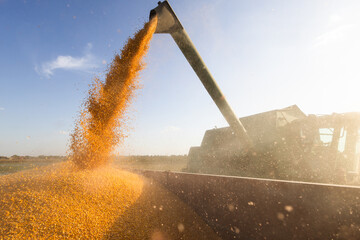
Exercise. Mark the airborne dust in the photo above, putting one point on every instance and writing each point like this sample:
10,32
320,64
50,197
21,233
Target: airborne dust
85,198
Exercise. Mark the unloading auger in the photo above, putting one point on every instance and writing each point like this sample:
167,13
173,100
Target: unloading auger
169,23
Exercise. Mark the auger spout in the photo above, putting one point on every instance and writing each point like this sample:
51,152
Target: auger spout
169,23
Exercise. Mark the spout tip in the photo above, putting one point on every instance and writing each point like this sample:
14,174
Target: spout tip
167,20
152,14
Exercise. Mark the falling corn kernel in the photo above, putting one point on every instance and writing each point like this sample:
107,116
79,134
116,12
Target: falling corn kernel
102,122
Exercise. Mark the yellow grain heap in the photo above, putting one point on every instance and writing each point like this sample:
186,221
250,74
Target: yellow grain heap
105,203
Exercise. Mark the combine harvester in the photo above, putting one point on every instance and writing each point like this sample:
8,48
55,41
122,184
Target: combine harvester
288,145
273,155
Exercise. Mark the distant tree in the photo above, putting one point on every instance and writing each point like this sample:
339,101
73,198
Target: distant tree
15,157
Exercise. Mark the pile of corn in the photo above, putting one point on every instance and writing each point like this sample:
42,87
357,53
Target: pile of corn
106,203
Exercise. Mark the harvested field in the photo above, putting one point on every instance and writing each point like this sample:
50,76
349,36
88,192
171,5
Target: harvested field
160,163
20,163
58,202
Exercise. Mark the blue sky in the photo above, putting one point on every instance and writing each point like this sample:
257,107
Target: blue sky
264,55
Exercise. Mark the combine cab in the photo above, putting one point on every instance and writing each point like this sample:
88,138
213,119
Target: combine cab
288,145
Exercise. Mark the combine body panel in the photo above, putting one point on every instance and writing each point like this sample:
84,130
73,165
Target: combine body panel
263,130
250,208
